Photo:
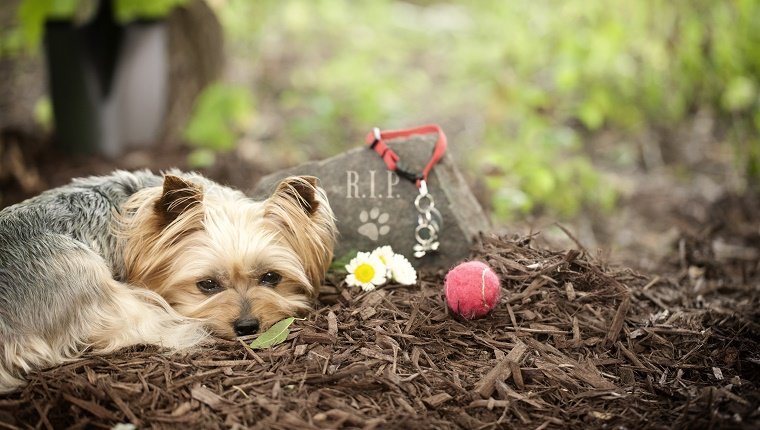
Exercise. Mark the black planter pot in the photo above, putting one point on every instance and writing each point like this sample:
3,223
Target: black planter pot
108,82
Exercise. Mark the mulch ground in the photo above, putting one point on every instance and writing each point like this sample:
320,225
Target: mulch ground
574,343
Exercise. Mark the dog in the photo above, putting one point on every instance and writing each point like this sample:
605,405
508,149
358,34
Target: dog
138,258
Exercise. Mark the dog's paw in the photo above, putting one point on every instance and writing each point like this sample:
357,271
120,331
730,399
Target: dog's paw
374,224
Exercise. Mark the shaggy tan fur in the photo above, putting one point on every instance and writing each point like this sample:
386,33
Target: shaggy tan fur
168,241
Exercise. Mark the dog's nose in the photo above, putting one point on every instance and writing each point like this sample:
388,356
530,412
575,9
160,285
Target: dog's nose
246,326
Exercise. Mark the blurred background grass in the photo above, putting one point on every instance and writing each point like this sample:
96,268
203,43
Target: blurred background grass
523,88
544,102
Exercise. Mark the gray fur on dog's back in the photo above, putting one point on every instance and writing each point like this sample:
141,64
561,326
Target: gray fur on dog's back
60,267
82,210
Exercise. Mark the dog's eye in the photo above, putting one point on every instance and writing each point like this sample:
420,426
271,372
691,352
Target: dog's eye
209,286
270,279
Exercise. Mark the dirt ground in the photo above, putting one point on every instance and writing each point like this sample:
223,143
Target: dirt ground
662,334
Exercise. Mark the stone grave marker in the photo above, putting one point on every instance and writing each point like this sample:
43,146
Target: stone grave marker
373,206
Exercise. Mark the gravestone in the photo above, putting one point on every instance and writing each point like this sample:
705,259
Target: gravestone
373,206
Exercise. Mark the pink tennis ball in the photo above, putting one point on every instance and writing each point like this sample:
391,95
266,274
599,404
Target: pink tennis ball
472,289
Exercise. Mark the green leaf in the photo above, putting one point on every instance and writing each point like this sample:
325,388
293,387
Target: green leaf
274,336
339,264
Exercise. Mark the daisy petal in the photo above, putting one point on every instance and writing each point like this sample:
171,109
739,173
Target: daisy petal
402,271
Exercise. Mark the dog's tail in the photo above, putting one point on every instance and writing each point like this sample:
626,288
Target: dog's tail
116,316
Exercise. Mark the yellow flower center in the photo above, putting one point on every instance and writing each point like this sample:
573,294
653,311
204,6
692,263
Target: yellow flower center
364,273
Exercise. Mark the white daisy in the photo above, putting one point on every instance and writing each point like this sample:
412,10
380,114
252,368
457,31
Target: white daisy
402,271
366,271
385,254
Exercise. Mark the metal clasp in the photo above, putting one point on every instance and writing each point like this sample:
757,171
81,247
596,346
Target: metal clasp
376,133
429,222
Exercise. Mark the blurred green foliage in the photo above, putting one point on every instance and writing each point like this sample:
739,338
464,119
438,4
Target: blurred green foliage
524,89
32,15
130,10
43,113
221,114
528,83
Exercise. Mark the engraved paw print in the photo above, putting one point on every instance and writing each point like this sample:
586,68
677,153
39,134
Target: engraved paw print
373,224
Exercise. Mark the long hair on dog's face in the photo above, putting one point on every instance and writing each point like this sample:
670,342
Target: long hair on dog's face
216,255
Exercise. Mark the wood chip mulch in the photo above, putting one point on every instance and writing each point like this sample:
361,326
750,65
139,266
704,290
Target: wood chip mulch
574,343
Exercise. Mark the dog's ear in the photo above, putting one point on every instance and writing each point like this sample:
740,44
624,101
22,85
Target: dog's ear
177,197
302,214
301,190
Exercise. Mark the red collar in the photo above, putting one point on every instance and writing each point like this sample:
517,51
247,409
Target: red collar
376,141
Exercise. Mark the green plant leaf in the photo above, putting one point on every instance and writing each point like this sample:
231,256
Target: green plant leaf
274,336
339,264
32,14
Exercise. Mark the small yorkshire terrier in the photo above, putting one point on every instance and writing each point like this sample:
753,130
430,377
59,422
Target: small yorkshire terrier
136,258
